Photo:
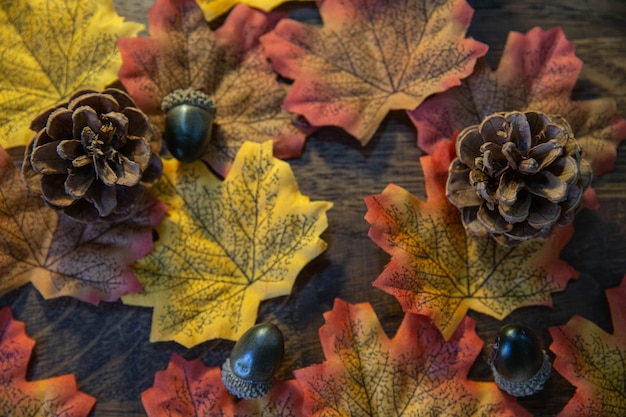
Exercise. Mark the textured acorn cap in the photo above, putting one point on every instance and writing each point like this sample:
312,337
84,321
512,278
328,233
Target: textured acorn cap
243,388
528,387
188,96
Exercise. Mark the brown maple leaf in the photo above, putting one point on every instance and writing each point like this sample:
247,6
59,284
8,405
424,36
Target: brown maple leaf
189,388
440,270
54,397
227,64
537,71
372,56
594,361
89,261
416,373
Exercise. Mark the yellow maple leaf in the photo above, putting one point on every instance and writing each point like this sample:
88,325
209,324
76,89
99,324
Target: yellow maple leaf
50,49
226,246
215,8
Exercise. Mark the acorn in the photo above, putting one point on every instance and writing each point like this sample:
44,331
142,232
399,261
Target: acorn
249,371
189,116
520,365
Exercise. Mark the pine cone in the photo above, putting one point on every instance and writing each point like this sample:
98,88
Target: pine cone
93,157
517,175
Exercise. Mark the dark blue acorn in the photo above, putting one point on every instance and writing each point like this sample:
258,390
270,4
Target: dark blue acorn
519,363
189,118
249,371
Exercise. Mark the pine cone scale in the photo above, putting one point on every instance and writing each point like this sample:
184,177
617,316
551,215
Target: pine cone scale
458,192
85,117
517,212
101,103
79,181
468,147
104,172
137,151
139,126
69,149
103,198
46,161
53,190
128,172
544,214
520,135
547,185
57,122
509,187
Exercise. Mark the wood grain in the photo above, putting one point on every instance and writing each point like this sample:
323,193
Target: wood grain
108,347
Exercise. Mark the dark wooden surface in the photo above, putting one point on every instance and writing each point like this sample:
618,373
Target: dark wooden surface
108,347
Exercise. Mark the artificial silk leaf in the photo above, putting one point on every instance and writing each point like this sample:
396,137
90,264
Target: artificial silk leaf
372,56
227,64
215,8
225,246
189,388
416,373
440,270
537,71
50,49
60,256
593,361
53,397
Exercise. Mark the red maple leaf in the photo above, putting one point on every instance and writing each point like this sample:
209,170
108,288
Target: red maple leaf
594,361
53,397
227,64
189,388
88,261
372,56
537,71
414,373
439,269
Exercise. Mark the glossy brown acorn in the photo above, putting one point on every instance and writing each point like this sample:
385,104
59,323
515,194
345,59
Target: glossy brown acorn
249,371
189,116
519,364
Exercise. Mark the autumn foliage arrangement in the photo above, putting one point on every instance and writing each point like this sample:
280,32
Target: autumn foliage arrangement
106,205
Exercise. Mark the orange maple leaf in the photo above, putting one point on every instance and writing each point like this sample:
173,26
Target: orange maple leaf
537,71
594,361
227,64
414,373
440,270
189,388
54,397
372,56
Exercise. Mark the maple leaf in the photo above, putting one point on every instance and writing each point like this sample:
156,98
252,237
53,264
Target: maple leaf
372,56
60,256
225,246
50,49
416,373
227,64
54,397
215,8
537,71
189,388
593,361
440,270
